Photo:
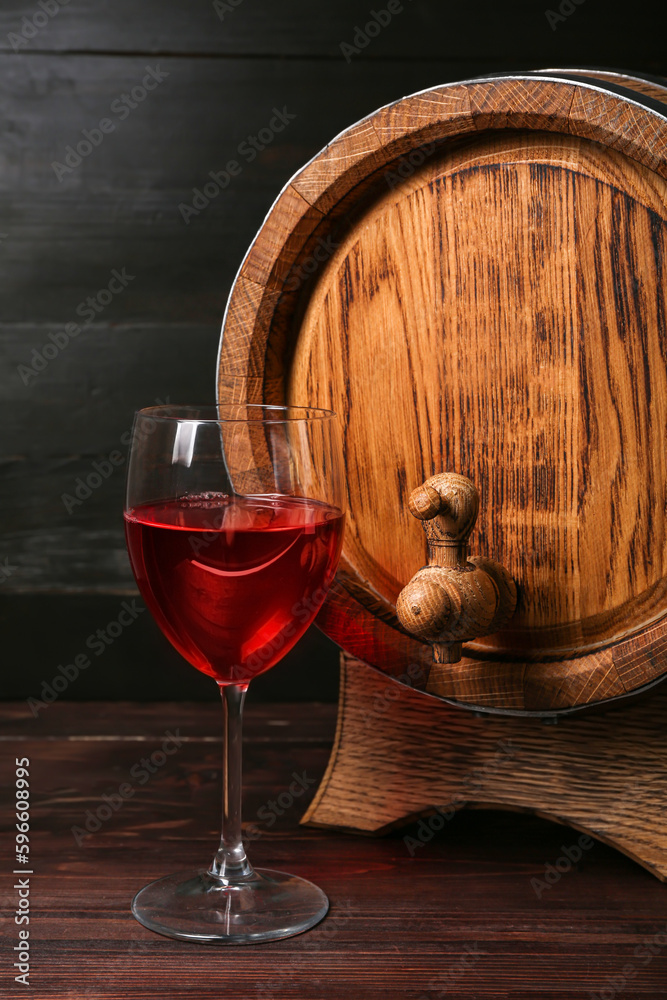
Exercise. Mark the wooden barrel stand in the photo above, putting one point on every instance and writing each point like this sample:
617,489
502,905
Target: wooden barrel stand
400,753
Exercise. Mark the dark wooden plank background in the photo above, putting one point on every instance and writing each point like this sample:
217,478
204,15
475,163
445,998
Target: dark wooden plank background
60,240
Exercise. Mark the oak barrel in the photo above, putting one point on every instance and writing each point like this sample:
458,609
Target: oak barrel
473,277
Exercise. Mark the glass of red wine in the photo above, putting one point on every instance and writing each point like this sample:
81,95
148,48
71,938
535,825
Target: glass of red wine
234,523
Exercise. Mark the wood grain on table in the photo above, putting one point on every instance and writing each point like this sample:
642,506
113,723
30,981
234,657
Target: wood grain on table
399,925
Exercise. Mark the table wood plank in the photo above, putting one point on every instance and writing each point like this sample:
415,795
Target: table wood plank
399,925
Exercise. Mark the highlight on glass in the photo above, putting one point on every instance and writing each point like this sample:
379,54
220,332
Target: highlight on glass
234,522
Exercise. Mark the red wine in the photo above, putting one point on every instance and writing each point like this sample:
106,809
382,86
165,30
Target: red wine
233,582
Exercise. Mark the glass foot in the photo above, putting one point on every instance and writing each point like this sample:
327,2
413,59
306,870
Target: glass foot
197,906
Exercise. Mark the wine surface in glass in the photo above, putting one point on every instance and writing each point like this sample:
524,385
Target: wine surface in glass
234,581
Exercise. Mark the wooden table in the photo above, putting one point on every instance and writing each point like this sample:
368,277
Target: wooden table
399,925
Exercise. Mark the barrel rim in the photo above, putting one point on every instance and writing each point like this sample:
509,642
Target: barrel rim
590,83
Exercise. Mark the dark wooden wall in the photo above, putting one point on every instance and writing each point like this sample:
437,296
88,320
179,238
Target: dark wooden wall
64,574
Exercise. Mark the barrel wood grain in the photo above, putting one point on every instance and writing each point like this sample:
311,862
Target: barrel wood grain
269,259
595,115
521,103
333,172
550,304
435,114
529,497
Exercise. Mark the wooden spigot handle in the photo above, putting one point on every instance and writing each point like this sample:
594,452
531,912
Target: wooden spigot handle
453,599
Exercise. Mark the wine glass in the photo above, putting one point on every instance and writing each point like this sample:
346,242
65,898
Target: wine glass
234,523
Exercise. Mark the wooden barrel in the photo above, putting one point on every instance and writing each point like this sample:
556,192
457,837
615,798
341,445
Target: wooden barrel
474,278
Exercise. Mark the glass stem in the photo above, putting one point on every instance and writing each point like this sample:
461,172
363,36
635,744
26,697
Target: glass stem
230,862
